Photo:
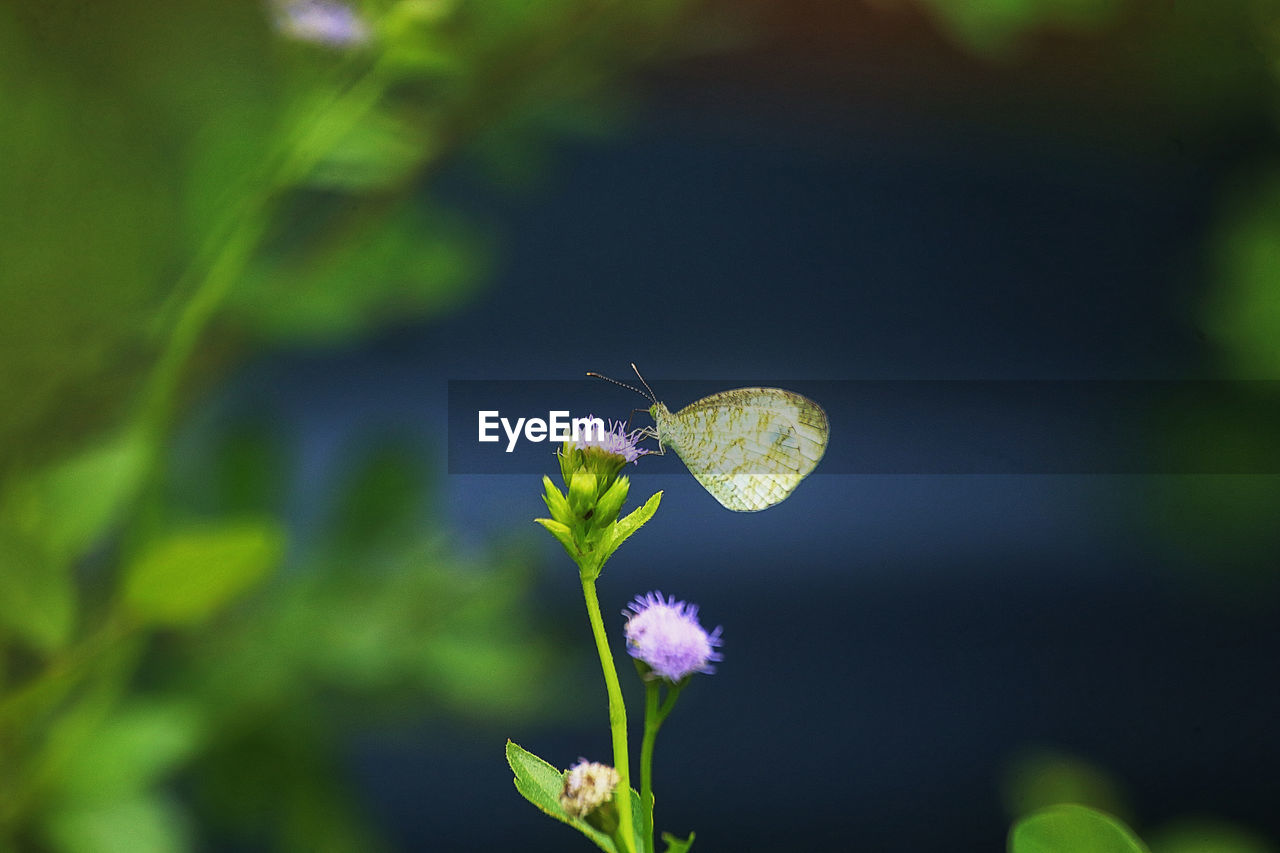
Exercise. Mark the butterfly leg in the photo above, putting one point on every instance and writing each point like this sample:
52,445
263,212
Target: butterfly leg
632,415
652,432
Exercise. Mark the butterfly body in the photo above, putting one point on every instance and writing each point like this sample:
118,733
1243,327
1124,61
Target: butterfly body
749,447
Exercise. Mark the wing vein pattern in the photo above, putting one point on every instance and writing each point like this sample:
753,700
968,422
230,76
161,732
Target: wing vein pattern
749,447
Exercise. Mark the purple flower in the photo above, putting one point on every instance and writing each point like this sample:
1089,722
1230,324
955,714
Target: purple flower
325,22
615,440
666,636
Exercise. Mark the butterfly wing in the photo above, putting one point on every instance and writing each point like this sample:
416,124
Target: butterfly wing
749,447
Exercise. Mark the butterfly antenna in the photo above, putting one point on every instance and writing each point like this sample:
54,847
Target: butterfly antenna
616,382
652,396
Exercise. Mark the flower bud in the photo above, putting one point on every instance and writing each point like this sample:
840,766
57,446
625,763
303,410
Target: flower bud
587,786
603,455
610,503
570,460
582,493
556,503
584,518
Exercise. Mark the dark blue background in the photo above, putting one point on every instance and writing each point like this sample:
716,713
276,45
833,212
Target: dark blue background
890,642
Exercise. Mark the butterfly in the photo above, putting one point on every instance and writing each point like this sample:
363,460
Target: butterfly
749,447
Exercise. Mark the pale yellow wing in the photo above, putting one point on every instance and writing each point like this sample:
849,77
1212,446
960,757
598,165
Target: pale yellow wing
749,447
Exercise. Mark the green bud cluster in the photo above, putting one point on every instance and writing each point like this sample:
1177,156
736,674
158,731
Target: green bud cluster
584,517
592,458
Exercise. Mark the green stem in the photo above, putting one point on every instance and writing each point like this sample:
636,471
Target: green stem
651,724
617,718
232,241
654,716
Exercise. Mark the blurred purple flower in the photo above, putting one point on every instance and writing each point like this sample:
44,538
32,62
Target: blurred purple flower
327,22
615,440
666,635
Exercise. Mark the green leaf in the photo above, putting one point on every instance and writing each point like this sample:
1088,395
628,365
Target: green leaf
582,492
414,42
1073,829
187,577
78,499
137,825
570,459
132,749
50,518
562,533
37,596
676,845
556,502
540,783
626,526
610,503
375,150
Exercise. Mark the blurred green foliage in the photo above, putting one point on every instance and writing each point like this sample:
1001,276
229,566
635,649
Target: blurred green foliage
1039,778
180,184
1071,828
1199,72
994,27
1222,528
1201,835
182,174
1075,828
1243,311
1064,804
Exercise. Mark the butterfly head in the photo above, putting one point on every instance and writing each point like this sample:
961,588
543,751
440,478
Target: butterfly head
657,410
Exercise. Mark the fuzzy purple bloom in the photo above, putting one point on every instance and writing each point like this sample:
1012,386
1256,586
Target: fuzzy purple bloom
320,21
666,635
615,440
